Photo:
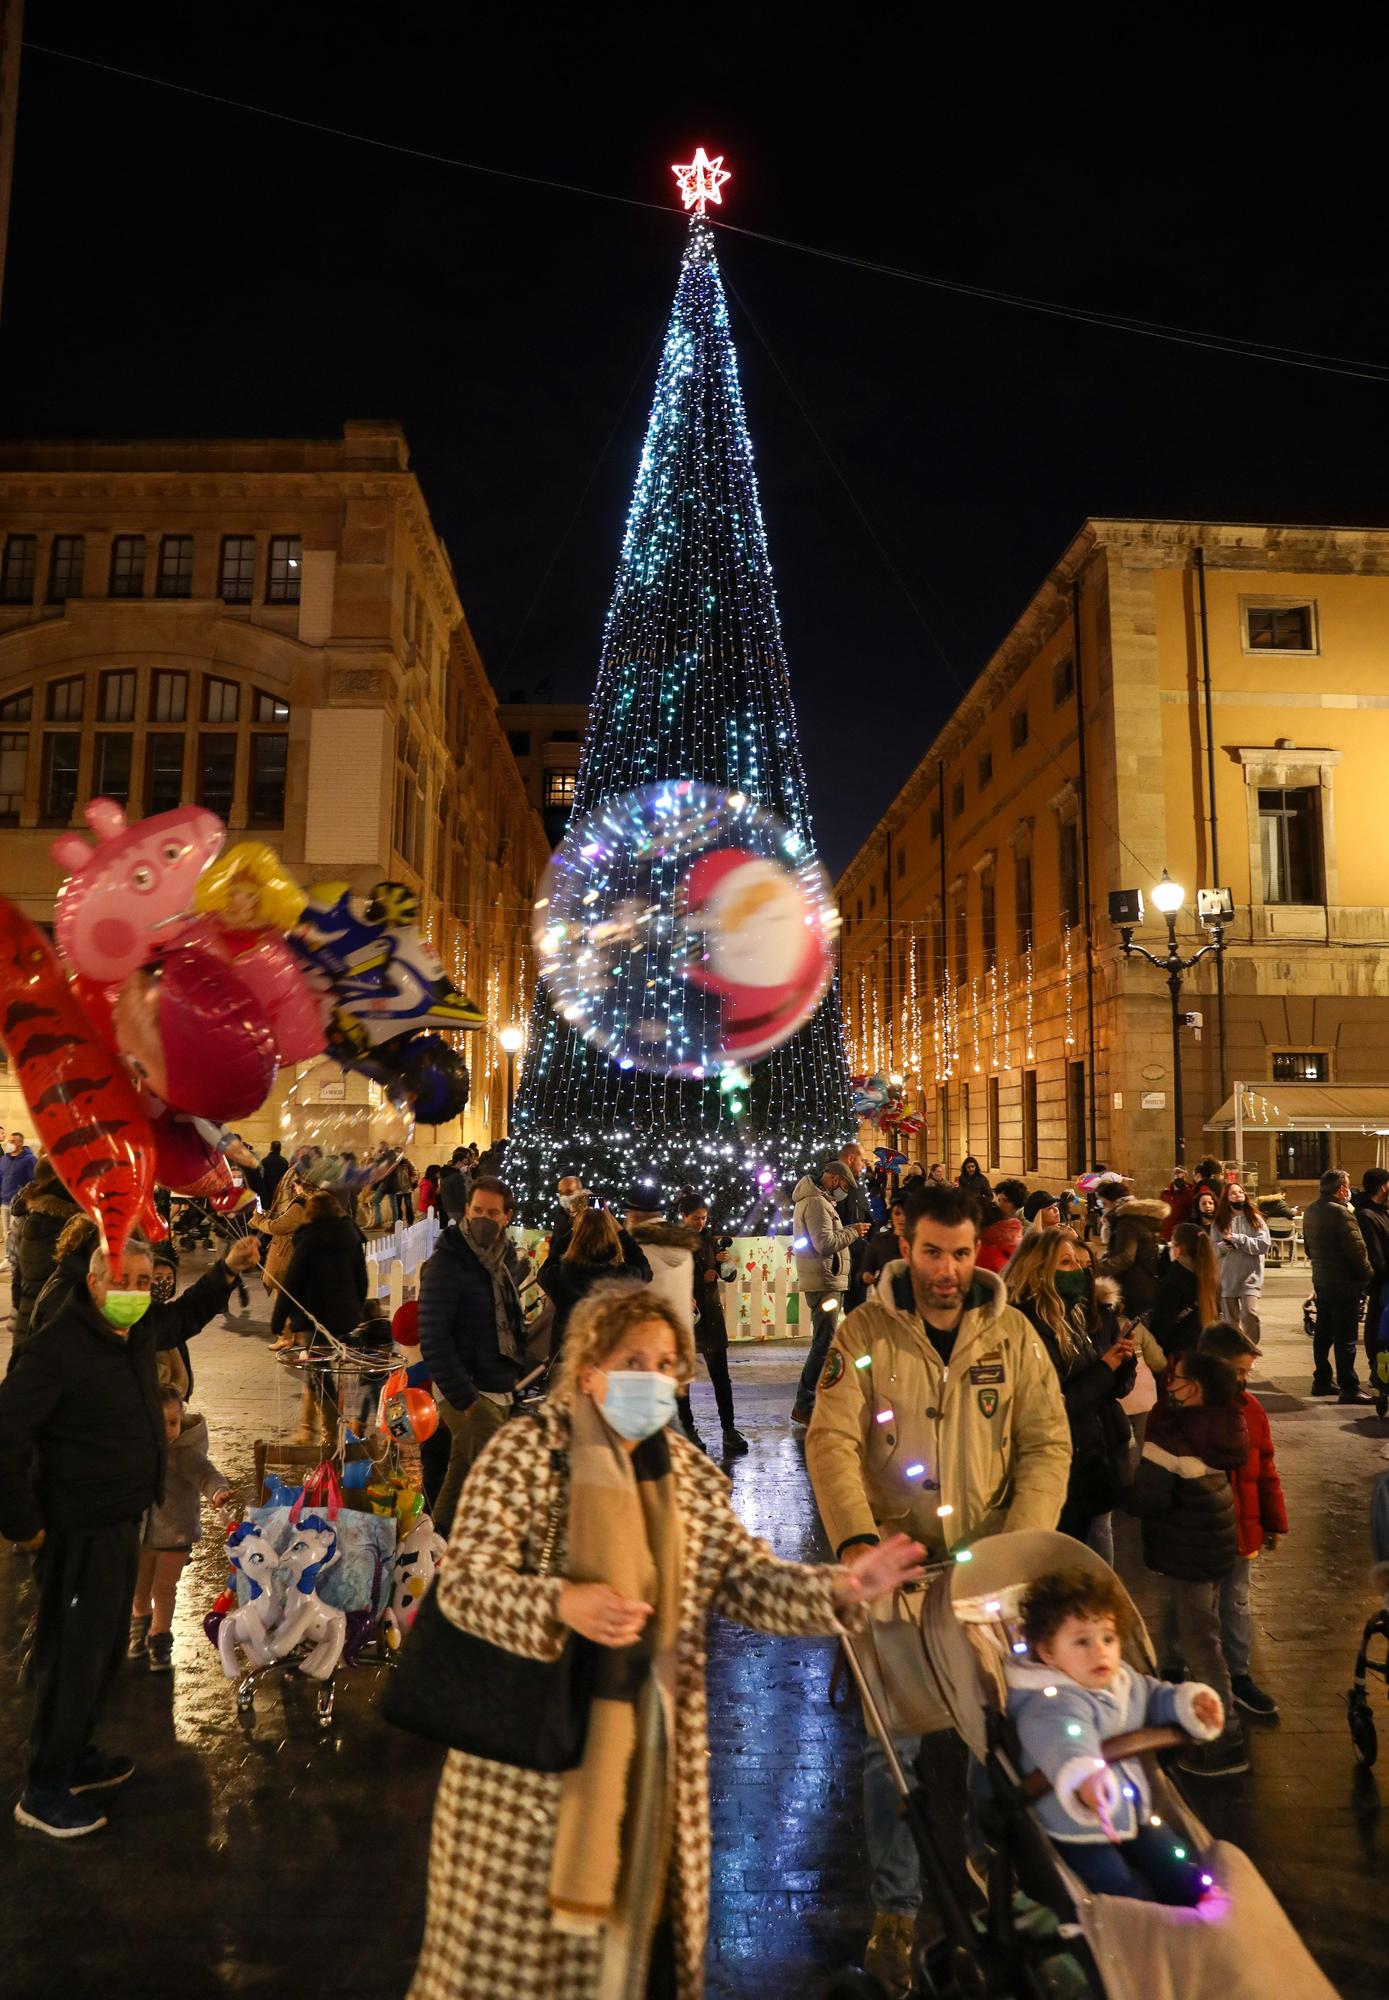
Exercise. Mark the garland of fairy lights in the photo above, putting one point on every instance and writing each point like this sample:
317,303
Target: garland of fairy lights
692,683
1027,974
1066,965
974,1020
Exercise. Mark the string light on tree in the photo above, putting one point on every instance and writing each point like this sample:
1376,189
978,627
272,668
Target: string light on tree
692,684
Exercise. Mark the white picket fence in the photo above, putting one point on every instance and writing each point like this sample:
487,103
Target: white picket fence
394,1260
762,1303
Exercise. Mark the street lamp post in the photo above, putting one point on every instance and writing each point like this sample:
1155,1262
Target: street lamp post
1215,908
511,1040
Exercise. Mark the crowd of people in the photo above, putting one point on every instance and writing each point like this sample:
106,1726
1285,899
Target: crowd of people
972,1350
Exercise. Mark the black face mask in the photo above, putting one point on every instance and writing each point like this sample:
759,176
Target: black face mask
161,1291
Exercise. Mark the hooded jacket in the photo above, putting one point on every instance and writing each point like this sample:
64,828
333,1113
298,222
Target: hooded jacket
670,1251
458,1323
820,1239
1334,1244
1241,1255
985,1439
176,1521
1182,1492
81,1423
1061,1726
1133,1249
1259,1505
16,1171
42,1211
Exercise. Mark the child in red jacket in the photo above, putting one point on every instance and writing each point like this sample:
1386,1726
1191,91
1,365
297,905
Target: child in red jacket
1260,1518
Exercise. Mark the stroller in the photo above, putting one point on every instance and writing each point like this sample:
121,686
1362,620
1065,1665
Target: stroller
1042,1934
1363,1736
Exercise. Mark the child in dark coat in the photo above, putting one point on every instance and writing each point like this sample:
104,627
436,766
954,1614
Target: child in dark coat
1182,1496
1261,1517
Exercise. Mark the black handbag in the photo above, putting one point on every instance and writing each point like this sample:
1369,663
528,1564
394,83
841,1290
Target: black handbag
453,1688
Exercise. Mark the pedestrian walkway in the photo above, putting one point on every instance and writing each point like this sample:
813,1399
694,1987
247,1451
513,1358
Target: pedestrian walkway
258,1859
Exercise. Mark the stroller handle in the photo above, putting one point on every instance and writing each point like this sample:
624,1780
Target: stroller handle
1136,1743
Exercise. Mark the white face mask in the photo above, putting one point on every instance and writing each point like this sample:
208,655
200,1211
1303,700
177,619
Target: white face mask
637,1403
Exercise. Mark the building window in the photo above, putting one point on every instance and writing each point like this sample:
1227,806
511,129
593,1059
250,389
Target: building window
169,698
520,741
1076,1161
17,574
858,909
957,798
1301,1066
221,700
14,762
128,566
901,863
217,773
61,757
1022,899
934,823
17,707
559,788
1290,845
269,708
961,938
1280,627
283,575
65,700
988,930
564,736
1068,843
1029,1121
1302,1156
409,797
1017,728
111,770
995,1140
872,895
238,570
269,756
175,567
986,768
65,568
117,697
1063,680
163,773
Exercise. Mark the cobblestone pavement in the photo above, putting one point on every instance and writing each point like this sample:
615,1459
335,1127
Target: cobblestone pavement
257,1858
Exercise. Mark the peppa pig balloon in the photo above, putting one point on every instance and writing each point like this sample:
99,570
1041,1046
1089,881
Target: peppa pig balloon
80,1099
129,896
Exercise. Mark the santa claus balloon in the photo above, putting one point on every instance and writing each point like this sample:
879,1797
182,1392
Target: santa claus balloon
758,946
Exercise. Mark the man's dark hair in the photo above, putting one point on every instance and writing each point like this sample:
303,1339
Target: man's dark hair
1013,1191
1226,1341
488,1184
1374,1178
947,1206
1110,1191
458,1153
274,1145
1332,1179
1220,1386
1072,1593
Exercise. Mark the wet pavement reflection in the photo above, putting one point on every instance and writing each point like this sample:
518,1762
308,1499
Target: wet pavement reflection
257,1855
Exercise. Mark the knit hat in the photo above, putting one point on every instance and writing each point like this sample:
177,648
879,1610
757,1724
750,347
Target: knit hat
1036,1202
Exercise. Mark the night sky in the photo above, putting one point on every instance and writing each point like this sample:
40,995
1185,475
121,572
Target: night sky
177,267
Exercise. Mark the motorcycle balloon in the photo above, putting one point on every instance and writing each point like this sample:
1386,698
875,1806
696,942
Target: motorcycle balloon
80,1099
433,1075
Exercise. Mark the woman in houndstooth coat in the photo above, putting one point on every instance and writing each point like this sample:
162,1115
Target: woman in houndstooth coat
491,1931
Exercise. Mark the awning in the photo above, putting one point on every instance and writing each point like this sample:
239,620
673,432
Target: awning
1306,1107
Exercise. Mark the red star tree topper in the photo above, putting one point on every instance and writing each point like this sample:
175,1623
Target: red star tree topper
701,180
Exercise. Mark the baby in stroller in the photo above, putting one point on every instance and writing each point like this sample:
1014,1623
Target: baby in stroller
1069,1694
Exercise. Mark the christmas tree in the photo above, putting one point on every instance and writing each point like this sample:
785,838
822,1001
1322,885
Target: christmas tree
692,683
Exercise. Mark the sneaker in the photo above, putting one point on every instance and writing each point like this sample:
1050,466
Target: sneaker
58,1814
801,1413
1226,1757
734,1443
161,1652
138,1642
1251,1696
95,1773
891,1953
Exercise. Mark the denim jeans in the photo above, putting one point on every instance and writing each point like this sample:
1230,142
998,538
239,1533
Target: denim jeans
389,1201
896,1885
1101,1537
1190,1624
1236,1620
823,1323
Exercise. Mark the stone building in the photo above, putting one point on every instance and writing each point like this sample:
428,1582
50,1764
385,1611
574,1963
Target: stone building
546,739
979,962
270,628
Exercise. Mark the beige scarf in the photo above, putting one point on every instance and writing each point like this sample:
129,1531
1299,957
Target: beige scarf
614,1816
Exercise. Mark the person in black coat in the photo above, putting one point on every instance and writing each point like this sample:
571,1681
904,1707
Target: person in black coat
598,1252
82,1455
327,1275
711,1328
41,1212
884,1246
1049,1282
973,1182
1188,1298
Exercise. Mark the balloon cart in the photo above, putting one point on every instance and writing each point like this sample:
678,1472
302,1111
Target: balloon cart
330,1563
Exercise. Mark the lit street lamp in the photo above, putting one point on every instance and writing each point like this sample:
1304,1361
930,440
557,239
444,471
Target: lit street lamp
511,1040
1214,908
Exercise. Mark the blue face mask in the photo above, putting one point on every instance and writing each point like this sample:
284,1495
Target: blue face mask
637,1404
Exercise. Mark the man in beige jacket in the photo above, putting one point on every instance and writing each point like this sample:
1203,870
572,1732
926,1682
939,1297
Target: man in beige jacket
939,1414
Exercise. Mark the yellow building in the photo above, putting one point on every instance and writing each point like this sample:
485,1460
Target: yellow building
270,628
546,740
978,958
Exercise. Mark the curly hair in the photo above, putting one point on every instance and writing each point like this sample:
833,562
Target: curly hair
599,1321
1072,1593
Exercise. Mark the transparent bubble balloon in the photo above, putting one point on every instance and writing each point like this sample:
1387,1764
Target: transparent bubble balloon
682,930
341,1130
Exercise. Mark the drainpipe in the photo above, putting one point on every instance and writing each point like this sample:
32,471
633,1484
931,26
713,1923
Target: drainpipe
1214,821
942,960
1084,804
